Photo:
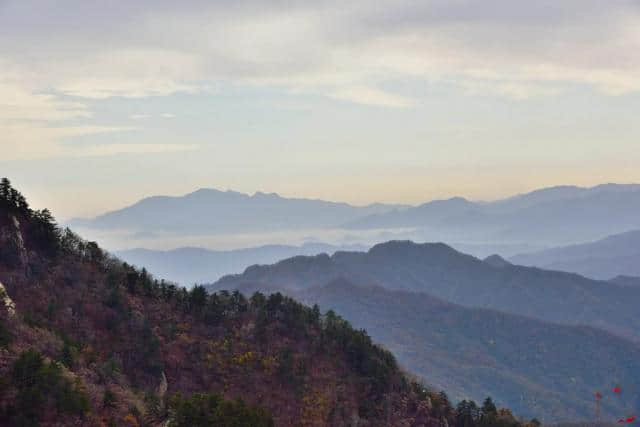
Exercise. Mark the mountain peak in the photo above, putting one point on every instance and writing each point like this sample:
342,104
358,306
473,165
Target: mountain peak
399,246
452,202
206,192
497,261
260,194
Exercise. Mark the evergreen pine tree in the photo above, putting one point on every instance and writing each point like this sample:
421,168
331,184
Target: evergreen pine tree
5,188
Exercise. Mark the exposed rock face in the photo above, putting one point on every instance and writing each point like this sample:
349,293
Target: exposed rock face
20,242
7,301
14,251
164,385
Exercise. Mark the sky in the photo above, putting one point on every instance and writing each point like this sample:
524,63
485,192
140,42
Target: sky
103,103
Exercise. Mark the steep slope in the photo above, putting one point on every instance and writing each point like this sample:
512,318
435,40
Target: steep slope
88,340
535,368
445,273
603,259
213,211
197,265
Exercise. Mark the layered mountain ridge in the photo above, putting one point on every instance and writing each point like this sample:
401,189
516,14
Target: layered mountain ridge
554,215
612,256
198,265
460,322
443,272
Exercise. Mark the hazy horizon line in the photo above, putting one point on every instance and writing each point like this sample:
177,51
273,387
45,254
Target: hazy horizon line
377,202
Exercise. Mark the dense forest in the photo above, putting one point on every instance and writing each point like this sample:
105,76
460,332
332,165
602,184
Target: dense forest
86,339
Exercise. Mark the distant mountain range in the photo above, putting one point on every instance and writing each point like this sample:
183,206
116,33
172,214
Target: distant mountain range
552,215
443,272
470,351
197,265
542,218
212,211
617,255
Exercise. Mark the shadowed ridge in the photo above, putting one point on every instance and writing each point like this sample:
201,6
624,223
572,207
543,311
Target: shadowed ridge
617,254
443,272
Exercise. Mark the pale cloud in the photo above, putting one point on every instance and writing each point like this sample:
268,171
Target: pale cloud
32,141
29,141
371,96
140,116
113,149
55,64
23,103
36,110
95,88
341,50
149,116
33,125
128,72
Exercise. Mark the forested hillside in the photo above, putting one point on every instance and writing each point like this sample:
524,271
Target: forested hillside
89,340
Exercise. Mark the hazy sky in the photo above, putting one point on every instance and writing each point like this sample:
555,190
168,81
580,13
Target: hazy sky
102,103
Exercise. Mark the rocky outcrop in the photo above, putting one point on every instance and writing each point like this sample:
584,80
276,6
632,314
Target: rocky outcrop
7,301
22,250
13,252
163,386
